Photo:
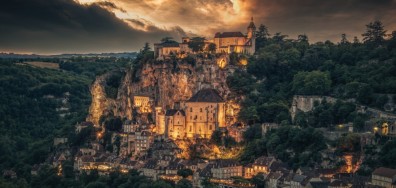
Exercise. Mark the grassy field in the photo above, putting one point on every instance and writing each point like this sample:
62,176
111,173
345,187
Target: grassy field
43,64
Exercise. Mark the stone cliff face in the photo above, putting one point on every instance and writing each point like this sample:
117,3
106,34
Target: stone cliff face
165,82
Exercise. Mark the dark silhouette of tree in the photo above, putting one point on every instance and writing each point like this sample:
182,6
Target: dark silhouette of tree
212,47
197,44
168,40
185,172
344,39
375,33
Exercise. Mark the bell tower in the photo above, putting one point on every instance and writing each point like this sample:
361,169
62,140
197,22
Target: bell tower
251,30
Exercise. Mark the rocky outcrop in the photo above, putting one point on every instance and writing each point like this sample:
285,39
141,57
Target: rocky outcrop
165,82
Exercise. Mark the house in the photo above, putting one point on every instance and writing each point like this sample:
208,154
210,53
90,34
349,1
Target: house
236,42
175,123
384,177
338,184
59,140
265,127
151,169
274,179
130,126
173,167
143,141
262,164
142,103
225,169
299,181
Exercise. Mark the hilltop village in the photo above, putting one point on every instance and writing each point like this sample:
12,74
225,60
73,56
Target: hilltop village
174,117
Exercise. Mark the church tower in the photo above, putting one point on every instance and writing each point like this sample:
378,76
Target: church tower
251,36
251,30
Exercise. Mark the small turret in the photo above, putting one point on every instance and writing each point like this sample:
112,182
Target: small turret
251,30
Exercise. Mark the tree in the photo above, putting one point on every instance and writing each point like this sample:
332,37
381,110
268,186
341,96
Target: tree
374,34
259,180
344,39
279,38
262,37
312,83
216,137
212,47
168,40
96,185
184,183
197,44
146,48
185,172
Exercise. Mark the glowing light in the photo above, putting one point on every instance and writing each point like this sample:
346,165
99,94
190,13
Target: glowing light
99,135
243,62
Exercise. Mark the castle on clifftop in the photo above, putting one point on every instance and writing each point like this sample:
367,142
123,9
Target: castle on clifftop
226,42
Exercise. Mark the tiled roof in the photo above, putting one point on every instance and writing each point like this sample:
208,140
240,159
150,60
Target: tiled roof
385,172
264,161
172,112
222,163
206,95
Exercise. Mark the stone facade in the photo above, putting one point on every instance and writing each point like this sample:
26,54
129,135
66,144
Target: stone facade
198,117
226,42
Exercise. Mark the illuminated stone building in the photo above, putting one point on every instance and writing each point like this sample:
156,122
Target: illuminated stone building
229,42
202,114
142,103
226,42
175,123
205,112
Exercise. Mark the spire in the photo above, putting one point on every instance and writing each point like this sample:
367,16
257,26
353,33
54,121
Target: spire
251,25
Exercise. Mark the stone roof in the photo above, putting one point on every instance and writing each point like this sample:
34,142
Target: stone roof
385,172
266,161
206,95
172,112
229,35
223,163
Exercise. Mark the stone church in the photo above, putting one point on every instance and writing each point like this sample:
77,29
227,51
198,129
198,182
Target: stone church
198,117
226,42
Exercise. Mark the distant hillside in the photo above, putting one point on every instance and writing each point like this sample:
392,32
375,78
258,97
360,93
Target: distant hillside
116,55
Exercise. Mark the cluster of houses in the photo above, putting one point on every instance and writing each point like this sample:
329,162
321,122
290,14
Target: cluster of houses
223,172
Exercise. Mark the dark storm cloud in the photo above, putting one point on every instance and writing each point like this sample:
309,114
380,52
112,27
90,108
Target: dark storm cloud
323,20
55,26
110,5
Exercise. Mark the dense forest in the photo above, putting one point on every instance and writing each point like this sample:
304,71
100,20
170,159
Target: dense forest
39,104
352,71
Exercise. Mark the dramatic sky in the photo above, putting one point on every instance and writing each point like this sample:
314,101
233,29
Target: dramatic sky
82,26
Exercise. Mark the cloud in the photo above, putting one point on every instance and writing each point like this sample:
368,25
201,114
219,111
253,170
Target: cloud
57,26
322,20
65,26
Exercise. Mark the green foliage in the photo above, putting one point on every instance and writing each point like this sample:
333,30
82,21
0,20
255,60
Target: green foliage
185,172
259,180
375,33
184,183
349,143
298,147
312,83
113,82
197,44
388,154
